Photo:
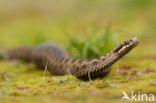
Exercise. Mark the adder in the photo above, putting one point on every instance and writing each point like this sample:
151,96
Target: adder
58,61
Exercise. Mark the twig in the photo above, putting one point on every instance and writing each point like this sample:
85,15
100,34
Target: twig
68,70
45,70
90,78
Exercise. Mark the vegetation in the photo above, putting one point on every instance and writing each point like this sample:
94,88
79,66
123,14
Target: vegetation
96,44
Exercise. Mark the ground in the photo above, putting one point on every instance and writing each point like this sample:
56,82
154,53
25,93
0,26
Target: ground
22,83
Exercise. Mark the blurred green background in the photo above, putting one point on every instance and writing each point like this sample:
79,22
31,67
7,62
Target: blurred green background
80,24
30,22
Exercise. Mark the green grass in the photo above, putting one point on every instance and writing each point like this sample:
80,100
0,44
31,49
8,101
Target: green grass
97,43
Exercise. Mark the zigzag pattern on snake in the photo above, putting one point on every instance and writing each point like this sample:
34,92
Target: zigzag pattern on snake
59,62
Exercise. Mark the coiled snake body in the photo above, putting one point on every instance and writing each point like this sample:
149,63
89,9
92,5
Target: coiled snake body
58,61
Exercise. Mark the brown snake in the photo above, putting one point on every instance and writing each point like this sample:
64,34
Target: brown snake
58,61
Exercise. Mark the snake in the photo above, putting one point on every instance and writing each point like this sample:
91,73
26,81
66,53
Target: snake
58,62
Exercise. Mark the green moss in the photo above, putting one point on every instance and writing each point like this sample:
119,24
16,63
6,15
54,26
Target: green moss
20,84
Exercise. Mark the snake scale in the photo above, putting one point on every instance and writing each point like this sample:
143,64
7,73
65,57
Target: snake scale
58,61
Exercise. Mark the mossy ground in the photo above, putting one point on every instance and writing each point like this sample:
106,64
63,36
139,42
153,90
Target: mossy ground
21,84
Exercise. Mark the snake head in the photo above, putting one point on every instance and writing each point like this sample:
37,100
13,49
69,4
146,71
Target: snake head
126,46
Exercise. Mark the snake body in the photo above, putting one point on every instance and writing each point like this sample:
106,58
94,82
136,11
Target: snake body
58,61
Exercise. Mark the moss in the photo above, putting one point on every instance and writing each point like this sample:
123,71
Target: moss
20,84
